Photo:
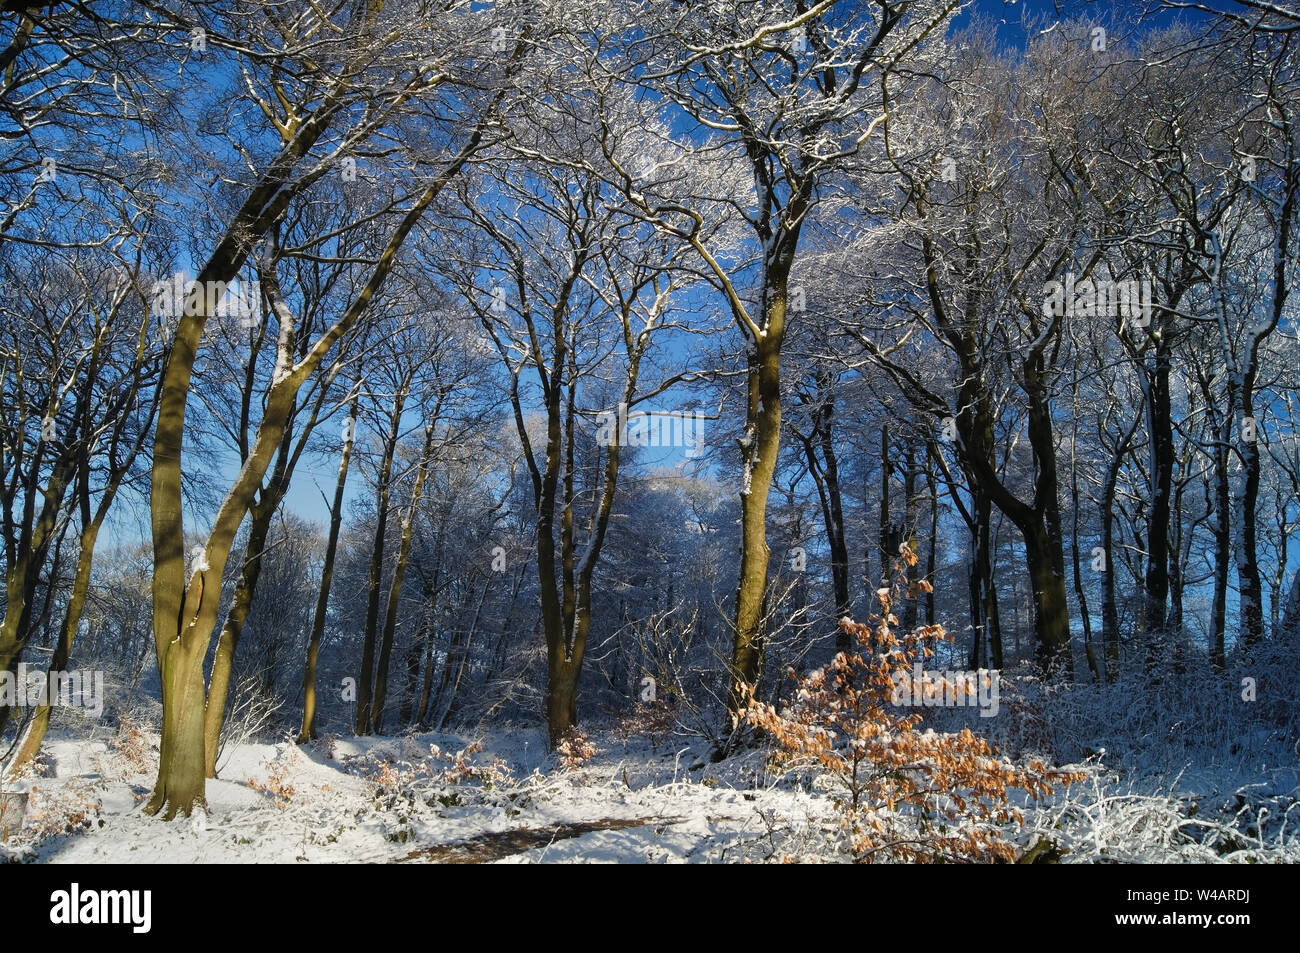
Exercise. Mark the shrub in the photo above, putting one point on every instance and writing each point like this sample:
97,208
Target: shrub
276,786
903,794
574,750
134,748
651,720
462,770
65,809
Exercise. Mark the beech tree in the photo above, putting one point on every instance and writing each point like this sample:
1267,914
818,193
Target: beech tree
787,93
575,280
1002,334
183,616
78,373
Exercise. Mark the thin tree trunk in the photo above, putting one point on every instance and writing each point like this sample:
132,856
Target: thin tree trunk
463,663
1252,587
1160,429
1079,592
1176,581
223,662
307,731
40,722
426,688
23,573
886,517
1109,609
414,652
934,541
399,575
992,614
825,473
912,607
1222,548
365,681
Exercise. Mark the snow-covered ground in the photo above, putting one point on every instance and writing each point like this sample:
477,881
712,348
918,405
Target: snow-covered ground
410,799
389,799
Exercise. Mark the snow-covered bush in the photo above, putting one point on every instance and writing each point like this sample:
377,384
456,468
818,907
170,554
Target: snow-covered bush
1162,715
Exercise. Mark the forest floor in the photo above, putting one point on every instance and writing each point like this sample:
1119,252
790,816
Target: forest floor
418,799
400,800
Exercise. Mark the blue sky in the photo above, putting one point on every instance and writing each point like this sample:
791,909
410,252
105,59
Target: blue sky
1010,14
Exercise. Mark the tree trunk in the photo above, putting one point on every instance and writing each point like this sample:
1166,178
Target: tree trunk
1222,548
930,556
413,653
1051,612
40,722
23,575
825,473
399,575
183,615
308,730
975,657
179,788
228,642
992,614
912,607
760,447
91,521
1051,605
1252,587
463,664
1177,561
365,681
838,543
1079,592
561,697
887,553
1290,624
430,628
1160,429
1109,612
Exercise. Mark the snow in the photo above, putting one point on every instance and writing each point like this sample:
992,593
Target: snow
678,807
389,799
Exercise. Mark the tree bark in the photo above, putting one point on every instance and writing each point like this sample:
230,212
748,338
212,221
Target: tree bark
365,680
1160,475
308,730
759,448
399,575
222,663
